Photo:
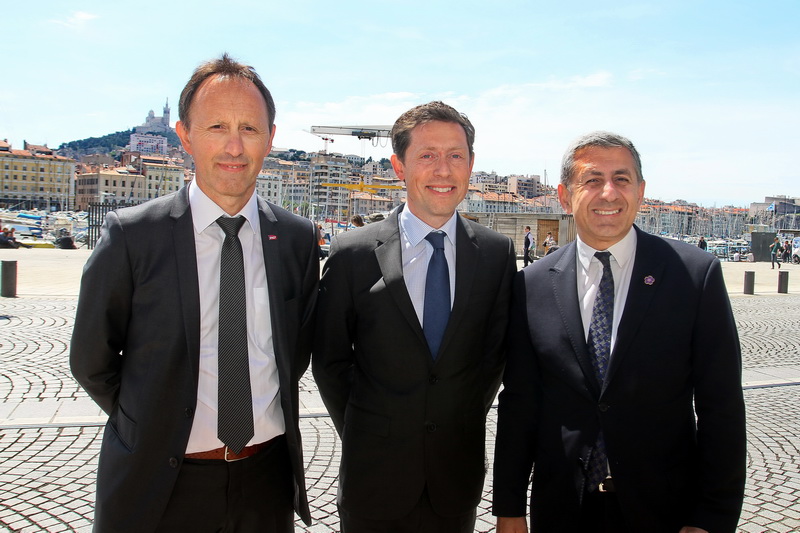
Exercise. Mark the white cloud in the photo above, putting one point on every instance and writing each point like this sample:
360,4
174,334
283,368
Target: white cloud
77,20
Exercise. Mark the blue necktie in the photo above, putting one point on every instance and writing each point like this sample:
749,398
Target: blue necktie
235,402
436,311
599,343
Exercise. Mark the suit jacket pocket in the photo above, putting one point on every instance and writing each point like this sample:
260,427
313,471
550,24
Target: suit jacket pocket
124,427
356,419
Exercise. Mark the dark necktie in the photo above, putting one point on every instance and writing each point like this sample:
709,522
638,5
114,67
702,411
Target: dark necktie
235,404
600,349
436,311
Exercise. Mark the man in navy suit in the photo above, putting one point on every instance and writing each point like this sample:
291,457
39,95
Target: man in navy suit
411,409
145,344
622,389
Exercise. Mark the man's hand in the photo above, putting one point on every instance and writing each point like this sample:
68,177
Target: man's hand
516,524
688,529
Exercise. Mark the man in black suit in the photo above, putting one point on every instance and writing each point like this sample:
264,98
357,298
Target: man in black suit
408,396
623,380
527,244
152,343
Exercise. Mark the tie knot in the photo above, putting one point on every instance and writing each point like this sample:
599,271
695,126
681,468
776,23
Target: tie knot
436,238
231,226
604,258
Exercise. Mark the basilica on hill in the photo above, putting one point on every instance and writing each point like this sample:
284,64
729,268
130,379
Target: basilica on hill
154,124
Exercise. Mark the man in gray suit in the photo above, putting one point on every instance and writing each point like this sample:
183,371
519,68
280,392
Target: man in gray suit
202,434
408,386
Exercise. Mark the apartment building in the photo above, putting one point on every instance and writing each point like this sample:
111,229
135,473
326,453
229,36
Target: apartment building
35,178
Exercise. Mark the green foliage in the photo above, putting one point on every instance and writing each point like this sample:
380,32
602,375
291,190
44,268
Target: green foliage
293,155
103,144
109,144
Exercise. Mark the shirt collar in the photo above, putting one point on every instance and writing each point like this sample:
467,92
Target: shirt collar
205,212
622,251
416,230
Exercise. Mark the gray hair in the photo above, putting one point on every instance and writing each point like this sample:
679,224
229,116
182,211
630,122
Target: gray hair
601,139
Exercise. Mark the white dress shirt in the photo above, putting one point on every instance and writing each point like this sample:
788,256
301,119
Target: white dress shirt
417,253
267,413
590,271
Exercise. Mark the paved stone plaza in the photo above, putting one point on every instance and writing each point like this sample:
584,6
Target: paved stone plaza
50,432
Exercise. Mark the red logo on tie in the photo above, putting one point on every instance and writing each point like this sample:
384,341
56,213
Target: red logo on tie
272,237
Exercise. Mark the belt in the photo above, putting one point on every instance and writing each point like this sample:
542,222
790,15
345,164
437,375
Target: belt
607,485
226,454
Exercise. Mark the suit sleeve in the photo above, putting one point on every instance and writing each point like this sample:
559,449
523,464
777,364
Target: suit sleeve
310,294
719,405
496,342
516,417
333,356
101,320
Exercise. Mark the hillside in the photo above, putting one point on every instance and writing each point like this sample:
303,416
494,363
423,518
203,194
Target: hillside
106,144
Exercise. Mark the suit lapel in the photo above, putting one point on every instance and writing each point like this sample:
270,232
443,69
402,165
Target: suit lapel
271,248
188,284
648,269
388,252
564,279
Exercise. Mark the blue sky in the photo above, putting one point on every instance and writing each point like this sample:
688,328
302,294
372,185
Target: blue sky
709,91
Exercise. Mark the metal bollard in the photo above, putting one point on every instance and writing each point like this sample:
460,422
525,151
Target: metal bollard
8,281
749,281
783,282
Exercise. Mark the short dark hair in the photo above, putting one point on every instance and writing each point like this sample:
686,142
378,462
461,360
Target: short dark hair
225,67
424,113
602,139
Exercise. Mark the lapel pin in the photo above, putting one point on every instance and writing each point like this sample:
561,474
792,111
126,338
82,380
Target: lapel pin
649,280
272,237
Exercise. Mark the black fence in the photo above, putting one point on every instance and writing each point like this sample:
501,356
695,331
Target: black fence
97,214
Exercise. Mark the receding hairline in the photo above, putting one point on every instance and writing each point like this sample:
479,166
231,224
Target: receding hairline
224,77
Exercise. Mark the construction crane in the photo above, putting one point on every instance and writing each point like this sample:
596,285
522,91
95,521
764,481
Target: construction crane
327,140
371,133
361,186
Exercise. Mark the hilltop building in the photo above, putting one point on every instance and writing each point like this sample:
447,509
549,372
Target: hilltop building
154,124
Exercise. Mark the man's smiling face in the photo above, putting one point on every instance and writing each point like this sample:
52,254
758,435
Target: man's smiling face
604,195
436,168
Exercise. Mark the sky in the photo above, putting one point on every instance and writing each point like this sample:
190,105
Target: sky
708,91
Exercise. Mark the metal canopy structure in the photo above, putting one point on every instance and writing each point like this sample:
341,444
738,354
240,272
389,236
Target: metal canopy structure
362,132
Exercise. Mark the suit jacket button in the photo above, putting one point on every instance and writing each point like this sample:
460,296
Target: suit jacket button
188,412
173,462
603,407
433,379
431,427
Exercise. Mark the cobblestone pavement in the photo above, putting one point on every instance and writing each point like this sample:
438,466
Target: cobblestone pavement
47,470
